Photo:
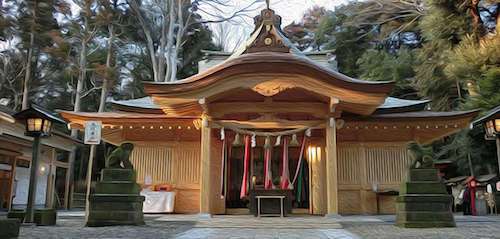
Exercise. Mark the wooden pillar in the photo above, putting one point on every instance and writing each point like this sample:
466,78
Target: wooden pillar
331,168
12,182
67,193
205,169
49,200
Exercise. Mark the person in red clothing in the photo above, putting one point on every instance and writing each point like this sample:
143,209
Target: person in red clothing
466,205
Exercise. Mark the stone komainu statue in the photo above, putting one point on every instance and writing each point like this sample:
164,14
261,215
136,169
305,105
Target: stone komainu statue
418,154
120,155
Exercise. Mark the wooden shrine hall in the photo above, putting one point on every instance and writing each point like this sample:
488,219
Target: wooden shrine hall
196,134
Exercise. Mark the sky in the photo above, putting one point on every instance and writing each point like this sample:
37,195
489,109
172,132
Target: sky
289,10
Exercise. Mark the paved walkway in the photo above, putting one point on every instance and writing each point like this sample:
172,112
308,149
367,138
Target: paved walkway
70,224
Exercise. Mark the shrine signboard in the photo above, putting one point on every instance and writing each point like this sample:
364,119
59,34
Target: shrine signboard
92,132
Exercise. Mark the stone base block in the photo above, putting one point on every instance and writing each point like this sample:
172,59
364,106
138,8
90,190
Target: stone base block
117,187
118,174
423,188
105,223
424,206
424,174
403,216
45,217
115,218
115,209
116,198
115,206
424,198
116,215
424,224
9,227
21,214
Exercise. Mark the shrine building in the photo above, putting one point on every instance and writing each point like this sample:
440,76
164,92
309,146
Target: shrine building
195,134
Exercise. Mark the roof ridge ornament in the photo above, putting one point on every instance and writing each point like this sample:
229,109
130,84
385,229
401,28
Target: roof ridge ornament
268,24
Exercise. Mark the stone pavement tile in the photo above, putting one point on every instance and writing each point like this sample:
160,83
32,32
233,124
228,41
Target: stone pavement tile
266,233
197,233
338,234
224,232
241,233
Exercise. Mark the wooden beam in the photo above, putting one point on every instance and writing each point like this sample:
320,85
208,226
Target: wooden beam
313,108
279,124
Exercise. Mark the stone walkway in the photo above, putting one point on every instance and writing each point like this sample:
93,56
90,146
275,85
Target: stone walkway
70,224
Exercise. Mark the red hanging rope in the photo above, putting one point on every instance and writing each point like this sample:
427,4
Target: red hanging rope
244,182
301,155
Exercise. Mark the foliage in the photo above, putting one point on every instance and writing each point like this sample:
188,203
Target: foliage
302,34
374,40
376,65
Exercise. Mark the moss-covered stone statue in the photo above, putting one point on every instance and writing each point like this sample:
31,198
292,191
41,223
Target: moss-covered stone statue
116,199
423,200
120,155
418,154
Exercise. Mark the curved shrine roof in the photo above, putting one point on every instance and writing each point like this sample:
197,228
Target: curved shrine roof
268,63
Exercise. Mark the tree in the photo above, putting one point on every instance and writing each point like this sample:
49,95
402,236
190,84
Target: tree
379,65
21,23
371,37
168,26
302,34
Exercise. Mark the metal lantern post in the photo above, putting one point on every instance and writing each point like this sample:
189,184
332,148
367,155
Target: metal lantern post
491,123
38,124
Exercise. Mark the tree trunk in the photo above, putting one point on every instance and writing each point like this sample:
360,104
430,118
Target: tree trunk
107,75
27,73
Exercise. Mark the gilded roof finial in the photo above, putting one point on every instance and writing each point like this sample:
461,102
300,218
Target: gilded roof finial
267,2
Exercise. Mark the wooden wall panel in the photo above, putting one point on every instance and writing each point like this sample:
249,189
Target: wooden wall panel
348,168
385,166
217,203
349,202
362,164
189,166
387,205
154,161
368,202
317,184
187,201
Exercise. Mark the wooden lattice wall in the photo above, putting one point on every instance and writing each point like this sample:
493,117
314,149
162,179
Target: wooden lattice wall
175,166
360,166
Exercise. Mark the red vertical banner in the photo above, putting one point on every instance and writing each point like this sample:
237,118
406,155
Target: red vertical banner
285,178
244,182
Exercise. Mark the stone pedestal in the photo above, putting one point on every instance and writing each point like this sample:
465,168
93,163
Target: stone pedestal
116,199
423,201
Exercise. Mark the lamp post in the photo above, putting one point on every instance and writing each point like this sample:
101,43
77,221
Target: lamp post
38,124
491,123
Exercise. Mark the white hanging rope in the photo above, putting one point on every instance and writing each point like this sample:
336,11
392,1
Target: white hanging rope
308,132
278,140
254,142
222,133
